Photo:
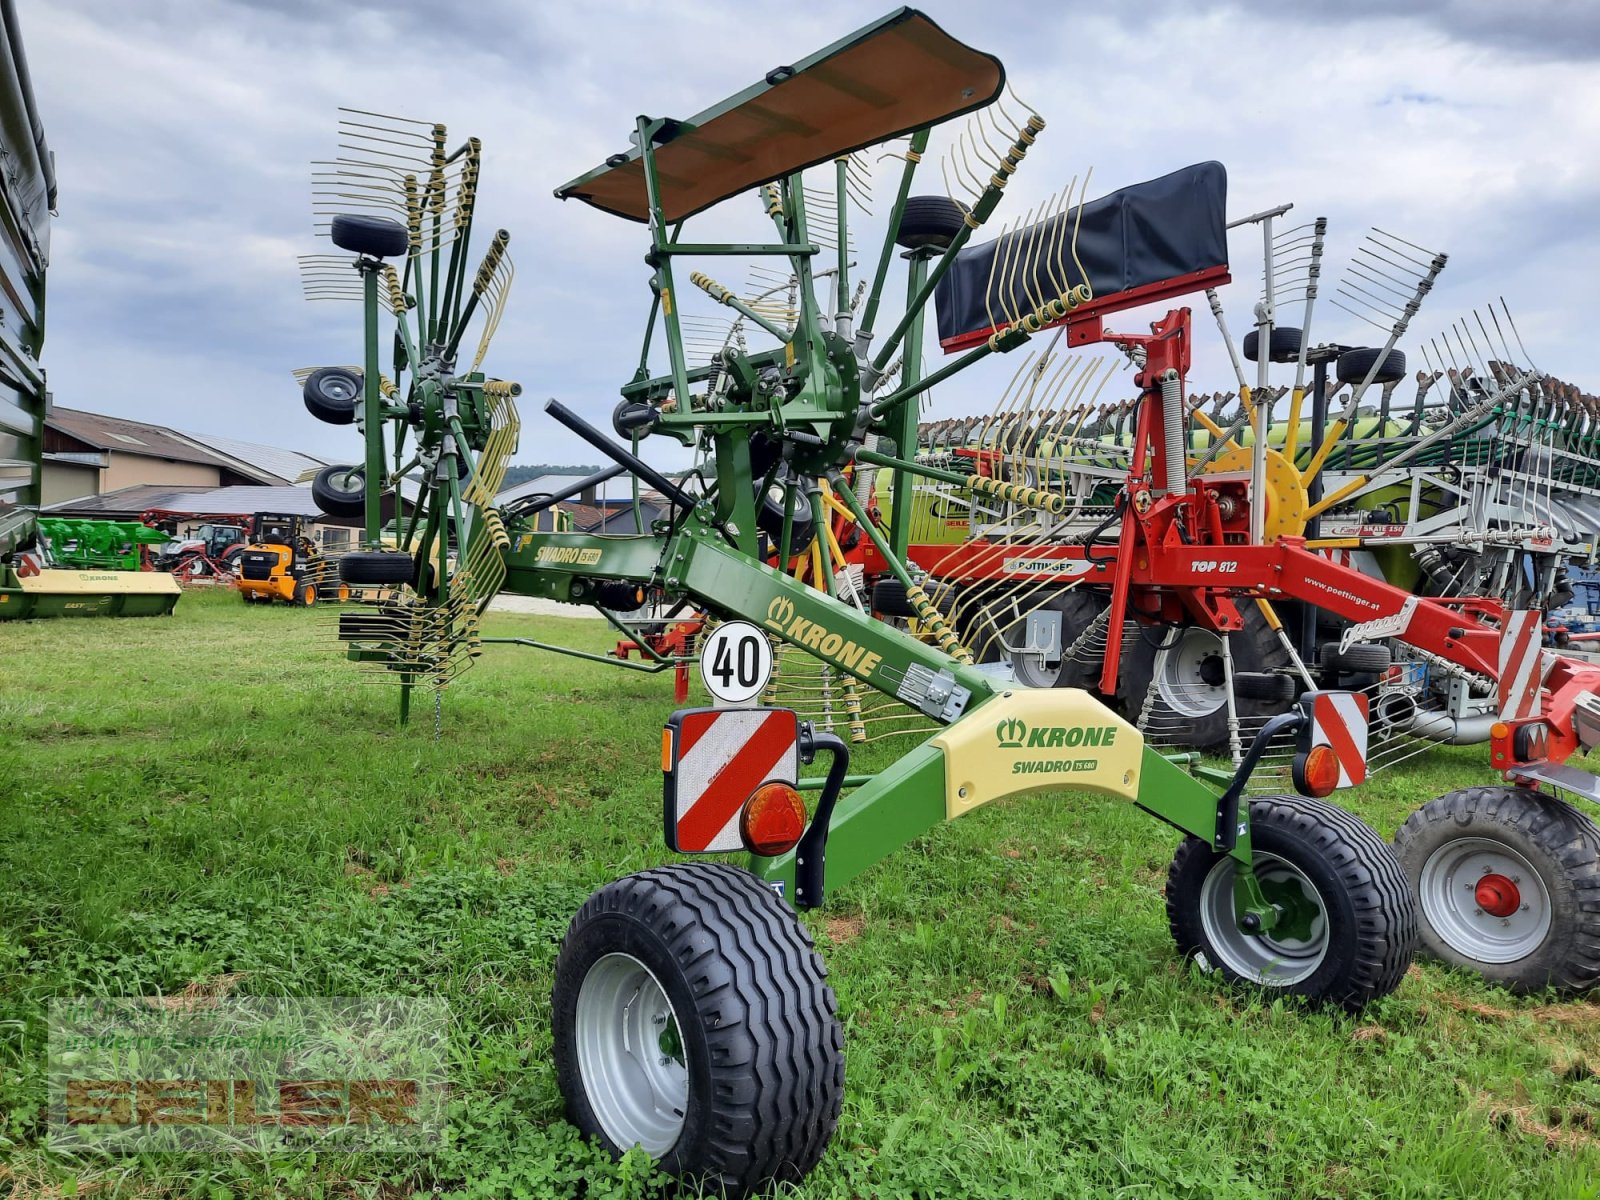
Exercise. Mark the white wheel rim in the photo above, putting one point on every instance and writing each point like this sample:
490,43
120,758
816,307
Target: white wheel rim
1179,682
630,1055
1272,959
1460,876
1031,670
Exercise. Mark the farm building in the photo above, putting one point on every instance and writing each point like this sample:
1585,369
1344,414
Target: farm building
87,454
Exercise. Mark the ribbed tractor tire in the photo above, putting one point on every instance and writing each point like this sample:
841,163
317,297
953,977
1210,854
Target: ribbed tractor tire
1355,951
889,598
340,491
930,221
1192,698
1470,852
1358,658
384,568
1284,347
1352,366
743,1007
333,394
1272,686
305,594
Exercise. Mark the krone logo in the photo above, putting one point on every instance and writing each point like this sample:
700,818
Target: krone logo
1011,732
780,611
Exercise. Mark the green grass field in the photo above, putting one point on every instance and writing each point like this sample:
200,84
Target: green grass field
219,801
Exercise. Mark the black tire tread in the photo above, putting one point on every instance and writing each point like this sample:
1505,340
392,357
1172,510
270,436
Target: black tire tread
1561,831
1385,913
381,567
889,598
779,1070
1352,366
335,501
930,221
1359,658
1263,685
1284,347
332,412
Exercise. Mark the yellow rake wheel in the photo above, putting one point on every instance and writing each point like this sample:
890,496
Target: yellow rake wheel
1287,504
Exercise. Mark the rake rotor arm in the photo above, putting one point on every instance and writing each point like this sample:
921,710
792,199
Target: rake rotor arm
567,493
625,458
981,211
869,316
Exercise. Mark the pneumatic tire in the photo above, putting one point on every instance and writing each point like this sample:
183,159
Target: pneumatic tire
693,1017
333,394
1284,346
385,568
341,491
1352,924
363,233
1001,624
1352,366
889,598
1191,688
1359,658
1271,686
1507,882
930,221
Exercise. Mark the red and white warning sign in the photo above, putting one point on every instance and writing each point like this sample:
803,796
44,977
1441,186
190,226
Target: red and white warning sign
716,759
1522,664
1339,721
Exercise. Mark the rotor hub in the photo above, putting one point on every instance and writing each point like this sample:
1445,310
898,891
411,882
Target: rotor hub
1497,895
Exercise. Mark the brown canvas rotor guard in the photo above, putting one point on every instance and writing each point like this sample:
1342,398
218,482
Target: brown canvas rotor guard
900,73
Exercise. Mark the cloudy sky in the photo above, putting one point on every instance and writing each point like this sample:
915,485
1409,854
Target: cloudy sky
183,132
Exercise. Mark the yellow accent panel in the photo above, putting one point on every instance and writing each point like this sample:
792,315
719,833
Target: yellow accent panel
133,583
1037,740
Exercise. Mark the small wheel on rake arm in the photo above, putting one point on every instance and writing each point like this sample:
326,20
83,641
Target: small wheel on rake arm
693,1018
1507,882
384,568
340,491
1346,925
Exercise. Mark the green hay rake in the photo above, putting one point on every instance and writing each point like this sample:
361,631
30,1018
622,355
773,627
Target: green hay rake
454,429
692,1016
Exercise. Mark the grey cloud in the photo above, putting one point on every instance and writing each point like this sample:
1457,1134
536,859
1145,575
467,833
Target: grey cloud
184,130
1540,29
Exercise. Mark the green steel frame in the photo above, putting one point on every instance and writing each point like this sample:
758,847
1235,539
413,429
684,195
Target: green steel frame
812,397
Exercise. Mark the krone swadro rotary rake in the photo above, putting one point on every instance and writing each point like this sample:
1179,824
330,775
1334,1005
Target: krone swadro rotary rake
692,1016
453,430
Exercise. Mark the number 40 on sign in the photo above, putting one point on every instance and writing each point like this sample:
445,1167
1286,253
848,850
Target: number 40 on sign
736,662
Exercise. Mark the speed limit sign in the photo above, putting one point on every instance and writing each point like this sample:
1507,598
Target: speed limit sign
736,662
